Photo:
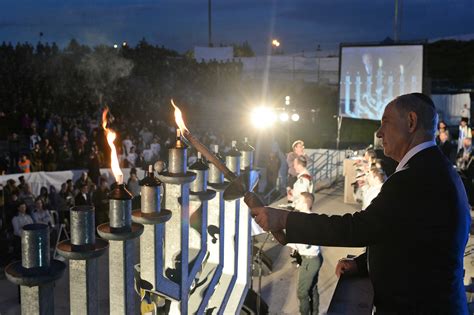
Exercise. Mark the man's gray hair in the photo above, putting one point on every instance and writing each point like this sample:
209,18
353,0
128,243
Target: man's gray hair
422,106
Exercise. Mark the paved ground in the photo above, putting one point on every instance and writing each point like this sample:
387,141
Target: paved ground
279,288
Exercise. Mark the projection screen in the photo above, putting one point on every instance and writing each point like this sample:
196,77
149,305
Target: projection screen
371,76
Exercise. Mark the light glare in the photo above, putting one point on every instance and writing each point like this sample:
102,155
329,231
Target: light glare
295,117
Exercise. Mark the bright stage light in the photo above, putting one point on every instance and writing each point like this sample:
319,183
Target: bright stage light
284,117
295,117
275,43
263,117
115,46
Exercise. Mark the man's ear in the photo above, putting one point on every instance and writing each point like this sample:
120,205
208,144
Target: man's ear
412,121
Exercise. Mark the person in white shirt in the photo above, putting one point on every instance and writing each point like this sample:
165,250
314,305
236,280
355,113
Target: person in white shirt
304,180
375,180
127,144
18,222
311,261
132,157
464,131
41,215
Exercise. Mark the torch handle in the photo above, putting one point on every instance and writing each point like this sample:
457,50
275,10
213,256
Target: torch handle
253,201
228,174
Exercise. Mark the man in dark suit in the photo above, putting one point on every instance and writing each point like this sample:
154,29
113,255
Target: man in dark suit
415,230
83,198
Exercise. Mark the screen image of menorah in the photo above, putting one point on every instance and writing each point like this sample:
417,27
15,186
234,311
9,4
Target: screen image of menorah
371,76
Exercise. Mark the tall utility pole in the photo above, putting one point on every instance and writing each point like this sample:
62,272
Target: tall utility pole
396,18
210,22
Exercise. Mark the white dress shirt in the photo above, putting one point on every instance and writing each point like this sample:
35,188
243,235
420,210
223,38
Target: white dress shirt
412,152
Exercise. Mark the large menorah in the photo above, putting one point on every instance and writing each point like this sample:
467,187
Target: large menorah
194,246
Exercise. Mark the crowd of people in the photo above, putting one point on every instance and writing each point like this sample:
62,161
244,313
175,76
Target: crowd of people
457,147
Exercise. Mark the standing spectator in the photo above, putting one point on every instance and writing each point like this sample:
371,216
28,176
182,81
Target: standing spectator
156,147
94,164
311,261
101,202
79,157
83,180
37,159
146,135
298,150
35,138
65,156
304,181
24,164
464,132
465,167
132,157
50,162
133,183
127,144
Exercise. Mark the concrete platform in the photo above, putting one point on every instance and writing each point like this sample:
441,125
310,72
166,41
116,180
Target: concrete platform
279,288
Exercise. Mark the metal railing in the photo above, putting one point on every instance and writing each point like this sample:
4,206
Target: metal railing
326,166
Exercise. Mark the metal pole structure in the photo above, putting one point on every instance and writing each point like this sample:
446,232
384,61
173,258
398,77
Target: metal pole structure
36,272
121,232
150,215
244,243
231,241
395,22
175,234
212,266
339,124
82,250
209,11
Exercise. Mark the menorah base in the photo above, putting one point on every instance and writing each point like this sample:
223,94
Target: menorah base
20,275
106,232
65,249
151,218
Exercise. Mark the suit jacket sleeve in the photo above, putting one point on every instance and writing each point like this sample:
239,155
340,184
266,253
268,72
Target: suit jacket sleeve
360,229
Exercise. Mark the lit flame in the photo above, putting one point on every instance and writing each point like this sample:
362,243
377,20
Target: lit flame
178,117
111,135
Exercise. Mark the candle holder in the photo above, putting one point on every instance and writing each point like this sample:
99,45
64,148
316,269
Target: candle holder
198,188
151,215
216,177
247,152
120,232
150,212
35,273
82,249
120,227
83,243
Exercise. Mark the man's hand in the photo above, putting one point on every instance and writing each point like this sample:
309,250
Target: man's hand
346,267
270,219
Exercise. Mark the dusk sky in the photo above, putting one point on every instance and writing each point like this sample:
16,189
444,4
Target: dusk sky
182,24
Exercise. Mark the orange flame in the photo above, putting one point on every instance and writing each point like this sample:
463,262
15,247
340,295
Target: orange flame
111,135
178,117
